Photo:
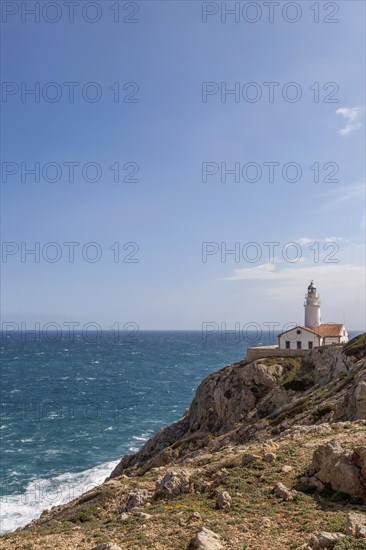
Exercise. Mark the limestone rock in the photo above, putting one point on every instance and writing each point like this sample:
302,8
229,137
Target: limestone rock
136,500
205,540
356,525
286,469
324,540
223,499
343,471
173,484
281,491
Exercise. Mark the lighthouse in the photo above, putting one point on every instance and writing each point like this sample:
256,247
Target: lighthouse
312,307
301,339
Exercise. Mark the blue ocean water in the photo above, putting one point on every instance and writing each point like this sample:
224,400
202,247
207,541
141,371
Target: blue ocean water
71,407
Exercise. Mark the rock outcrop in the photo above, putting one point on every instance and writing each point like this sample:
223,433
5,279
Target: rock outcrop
345,471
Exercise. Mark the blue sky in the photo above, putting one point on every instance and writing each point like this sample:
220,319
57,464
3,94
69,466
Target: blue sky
169,133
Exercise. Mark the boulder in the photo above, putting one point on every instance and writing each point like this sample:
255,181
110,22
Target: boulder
356,525
136,500
205,540
324,540
344,471
281,491
173,484
223,499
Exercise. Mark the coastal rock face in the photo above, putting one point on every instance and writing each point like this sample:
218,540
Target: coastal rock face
344,471
248,401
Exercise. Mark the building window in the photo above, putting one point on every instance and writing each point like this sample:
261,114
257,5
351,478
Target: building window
287,344
298,345
310,345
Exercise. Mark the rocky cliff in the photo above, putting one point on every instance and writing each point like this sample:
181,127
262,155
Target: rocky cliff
270,454
251,401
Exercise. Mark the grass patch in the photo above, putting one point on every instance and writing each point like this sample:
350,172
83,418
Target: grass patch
349,543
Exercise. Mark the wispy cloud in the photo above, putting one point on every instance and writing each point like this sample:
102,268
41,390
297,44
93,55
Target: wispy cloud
308,240
352,118
331,275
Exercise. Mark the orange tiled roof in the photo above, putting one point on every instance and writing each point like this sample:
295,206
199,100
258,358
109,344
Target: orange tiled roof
329,329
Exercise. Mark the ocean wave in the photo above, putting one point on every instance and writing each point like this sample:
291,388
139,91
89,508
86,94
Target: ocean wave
21,508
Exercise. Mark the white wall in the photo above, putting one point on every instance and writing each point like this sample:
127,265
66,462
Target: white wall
304,337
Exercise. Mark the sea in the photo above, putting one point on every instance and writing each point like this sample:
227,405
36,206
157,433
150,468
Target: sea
73,404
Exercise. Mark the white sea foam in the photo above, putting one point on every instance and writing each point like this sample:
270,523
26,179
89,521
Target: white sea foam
19,509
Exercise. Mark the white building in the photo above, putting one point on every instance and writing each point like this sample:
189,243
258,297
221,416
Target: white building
313,333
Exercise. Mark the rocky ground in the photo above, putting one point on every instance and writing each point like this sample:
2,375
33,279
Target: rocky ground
271,454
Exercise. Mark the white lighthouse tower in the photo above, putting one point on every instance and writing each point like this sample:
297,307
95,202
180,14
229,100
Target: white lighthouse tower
312,307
